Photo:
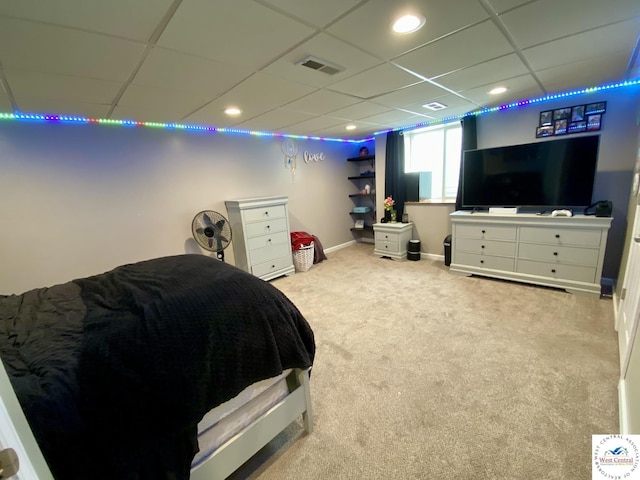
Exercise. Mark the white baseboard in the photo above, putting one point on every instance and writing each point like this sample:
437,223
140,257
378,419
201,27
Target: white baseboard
340,246
432,256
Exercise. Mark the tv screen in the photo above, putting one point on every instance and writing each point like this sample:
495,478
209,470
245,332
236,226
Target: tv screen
534,176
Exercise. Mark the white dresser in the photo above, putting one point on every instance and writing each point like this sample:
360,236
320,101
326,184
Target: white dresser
392,239
563,252
260,236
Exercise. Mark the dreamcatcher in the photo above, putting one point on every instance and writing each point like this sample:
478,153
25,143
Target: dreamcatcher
290,150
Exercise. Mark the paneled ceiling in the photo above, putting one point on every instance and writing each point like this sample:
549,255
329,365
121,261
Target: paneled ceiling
186,61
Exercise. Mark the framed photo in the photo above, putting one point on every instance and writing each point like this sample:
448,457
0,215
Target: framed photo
359,224
577,113
593,108
545,131
575,127
562,113
560,127
546,118
594,122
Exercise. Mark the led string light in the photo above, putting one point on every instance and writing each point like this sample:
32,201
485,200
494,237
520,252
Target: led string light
236,131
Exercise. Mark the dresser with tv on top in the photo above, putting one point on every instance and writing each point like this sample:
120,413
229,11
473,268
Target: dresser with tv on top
562,252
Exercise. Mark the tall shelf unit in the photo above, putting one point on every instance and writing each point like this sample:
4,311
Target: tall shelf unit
364,204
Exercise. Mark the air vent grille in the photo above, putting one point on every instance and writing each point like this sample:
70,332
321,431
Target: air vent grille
435,106
315,63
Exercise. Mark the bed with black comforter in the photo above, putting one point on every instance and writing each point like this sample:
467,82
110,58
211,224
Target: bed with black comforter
114,371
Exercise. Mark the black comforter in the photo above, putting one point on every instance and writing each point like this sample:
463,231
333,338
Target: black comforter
114,371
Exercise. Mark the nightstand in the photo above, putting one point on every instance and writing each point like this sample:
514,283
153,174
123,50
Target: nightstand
391,239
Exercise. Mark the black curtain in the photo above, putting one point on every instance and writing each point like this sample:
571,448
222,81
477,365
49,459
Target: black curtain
394,183
469,142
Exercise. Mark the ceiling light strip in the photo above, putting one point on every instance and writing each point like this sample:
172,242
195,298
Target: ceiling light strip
168,126
520,103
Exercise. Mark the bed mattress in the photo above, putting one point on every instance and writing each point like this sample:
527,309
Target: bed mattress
231,417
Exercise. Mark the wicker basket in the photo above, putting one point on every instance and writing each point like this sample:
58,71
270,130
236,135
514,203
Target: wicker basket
303,258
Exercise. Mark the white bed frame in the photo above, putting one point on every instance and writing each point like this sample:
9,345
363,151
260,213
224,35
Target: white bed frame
240,448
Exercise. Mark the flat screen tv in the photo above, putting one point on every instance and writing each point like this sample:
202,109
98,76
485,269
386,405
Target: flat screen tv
535,176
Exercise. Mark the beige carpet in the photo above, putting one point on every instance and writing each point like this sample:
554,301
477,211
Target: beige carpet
421,374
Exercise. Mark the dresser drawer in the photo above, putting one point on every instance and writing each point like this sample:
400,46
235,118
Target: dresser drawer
268,240
273,265
266,227
264,213
387,237
561,236
269,252
558,271
386,246
555,253
486,247
489,232
483,261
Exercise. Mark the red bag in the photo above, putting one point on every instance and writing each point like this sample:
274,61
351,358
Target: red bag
300,239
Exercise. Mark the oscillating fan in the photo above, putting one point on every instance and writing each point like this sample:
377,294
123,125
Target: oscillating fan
212,232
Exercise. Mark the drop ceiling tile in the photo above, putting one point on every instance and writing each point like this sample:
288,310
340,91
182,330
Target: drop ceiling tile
359,111
362,130
376,81
274,120
320,102
161,105
420,92
60,87
584,74
43,48
313,124
520,88
236,32
500,6
123,18
463,49
613,39
5,104
546,20
490,72
326,48
63,107
178,71
311,11
394,118
258,94
369,26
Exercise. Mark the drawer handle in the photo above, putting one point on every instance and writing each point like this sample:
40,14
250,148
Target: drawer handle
269,240
483,231
266,213
557,235
268,227
481,261
482,246
555,253
553,270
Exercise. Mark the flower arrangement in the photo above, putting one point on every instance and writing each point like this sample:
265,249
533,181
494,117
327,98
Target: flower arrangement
389,203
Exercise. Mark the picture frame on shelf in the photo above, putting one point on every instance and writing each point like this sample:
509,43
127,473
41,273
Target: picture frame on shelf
597,107
546,118
577,113
544,131
562,113
576,127
560,127
594,122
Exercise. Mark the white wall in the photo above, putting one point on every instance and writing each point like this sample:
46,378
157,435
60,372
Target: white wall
81,199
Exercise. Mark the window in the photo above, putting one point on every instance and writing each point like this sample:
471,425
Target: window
435,153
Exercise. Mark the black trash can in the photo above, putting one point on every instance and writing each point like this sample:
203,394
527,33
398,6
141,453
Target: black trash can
447,250
413,250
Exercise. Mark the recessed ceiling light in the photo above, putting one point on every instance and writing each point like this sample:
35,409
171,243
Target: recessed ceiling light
350,127
409,23
233,111
497,90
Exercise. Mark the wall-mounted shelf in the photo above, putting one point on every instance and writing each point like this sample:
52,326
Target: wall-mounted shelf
360,199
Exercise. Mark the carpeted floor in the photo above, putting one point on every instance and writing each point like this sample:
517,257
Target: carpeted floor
421,374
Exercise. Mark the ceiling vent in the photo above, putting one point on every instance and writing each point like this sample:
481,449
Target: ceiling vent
435,106
314,63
